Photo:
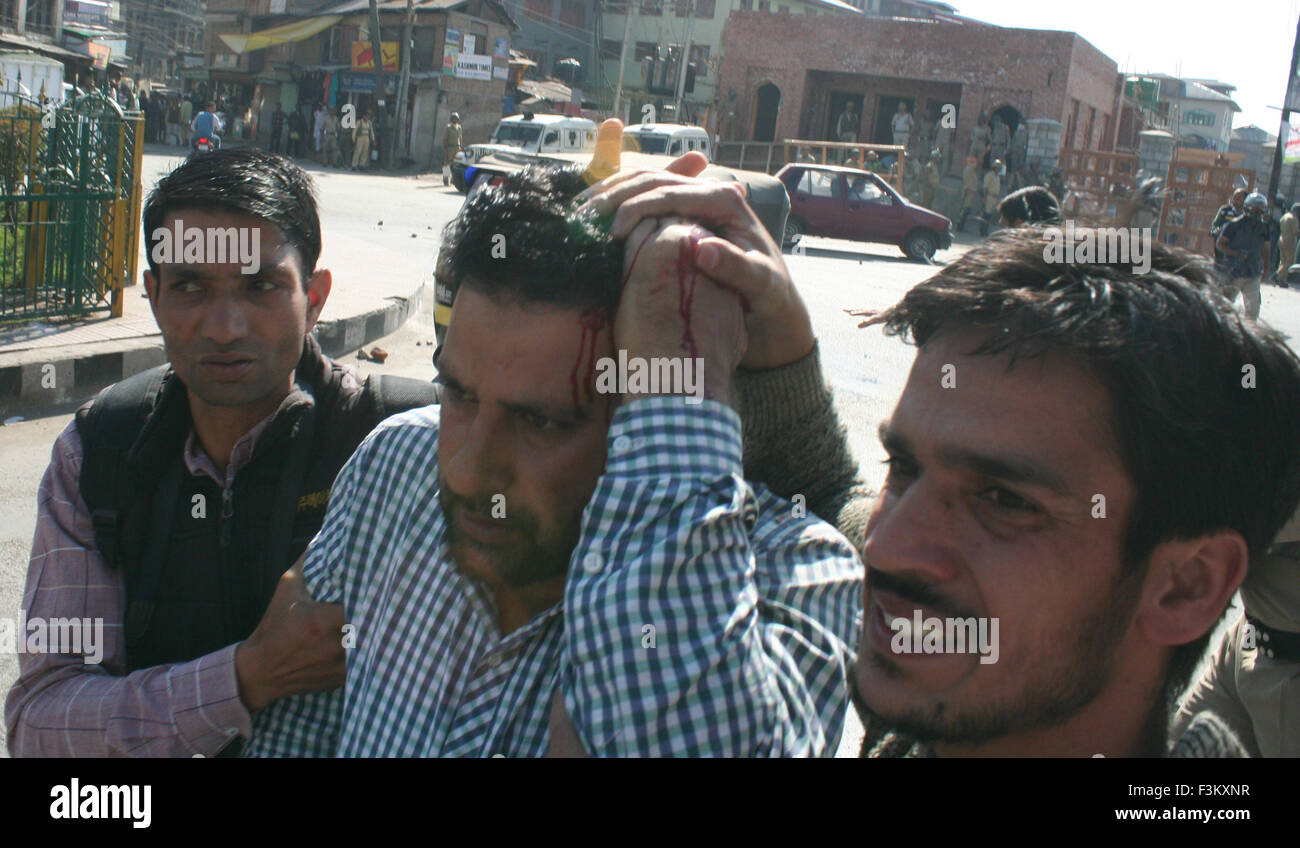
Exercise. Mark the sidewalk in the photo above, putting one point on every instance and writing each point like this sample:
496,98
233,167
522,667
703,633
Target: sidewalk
380,276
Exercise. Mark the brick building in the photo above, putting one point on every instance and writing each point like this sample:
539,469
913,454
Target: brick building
785,76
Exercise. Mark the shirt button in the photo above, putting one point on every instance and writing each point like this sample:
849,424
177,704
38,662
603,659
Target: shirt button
622,444
592,563
494,660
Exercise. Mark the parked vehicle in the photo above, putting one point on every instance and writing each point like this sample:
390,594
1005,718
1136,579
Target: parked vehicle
666,139
526,137
847,203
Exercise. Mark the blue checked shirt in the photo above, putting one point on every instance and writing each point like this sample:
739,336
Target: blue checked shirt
754,610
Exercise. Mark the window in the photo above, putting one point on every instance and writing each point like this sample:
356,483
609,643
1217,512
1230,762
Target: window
573,138
652,7
675,149
683,7
704,8
1200,118
764,6
785,10
864,189
610,49
700,57
820,184
645,50
746,5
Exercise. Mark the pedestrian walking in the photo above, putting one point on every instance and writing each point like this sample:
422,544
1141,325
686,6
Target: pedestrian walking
1232,209
992,196
453,141
318,128
297,129
1290,227
930,178
901,125
1244,244
970,191
277,128
363,135
330,139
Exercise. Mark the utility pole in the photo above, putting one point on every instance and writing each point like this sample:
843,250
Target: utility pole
403,85
377,48
622,57
1292,95
685,59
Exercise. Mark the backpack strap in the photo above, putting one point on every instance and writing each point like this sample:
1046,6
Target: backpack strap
392,395
108,431
142,589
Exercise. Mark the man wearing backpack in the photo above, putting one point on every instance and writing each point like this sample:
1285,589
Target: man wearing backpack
175,502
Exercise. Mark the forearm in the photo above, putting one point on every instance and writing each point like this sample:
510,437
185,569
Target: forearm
61,707
795,443
669,621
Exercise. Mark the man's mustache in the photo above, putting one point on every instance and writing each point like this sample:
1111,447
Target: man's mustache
916,591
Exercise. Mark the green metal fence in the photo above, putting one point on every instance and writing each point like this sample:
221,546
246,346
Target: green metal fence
69,205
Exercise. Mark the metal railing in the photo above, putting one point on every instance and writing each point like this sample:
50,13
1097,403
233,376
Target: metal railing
70,198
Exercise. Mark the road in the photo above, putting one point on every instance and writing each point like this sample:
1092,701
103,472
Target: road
866,369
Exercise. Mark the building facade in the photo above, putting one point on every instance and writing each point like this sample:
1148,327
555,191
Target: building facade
770,91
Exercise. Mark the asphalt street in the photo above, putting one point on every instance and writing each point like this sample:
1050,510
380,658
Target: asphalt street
866,369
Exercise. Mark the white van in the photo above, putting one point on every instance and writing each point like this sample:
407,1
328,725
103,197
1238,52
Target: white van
667,139
531,133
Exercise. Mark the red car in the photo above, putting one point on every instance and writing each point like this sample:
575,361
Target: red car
847,203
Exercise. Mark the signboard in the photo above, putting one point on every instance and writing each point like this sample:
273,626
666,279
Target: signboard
500,72
1291,153
450,51
363,83
363,56
470,41
500,48
469,66
100,53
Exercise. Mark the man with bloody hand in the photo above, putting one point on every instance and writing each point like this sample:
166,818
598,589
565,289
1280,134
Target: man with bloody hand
553,562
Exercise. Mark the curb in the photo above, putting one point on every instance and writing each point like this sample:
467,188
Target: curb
71,376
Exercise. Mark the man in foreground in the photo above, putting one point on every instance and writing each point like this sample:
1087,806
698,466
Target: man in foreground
174,503
549,546
1084,454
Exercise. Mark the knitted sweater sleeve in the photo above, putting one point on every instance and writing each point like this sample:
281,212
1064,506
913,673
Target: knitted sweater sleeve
795,443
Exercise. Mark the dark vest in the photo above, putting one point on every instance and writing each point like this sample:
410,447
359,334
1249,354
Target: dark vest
204,581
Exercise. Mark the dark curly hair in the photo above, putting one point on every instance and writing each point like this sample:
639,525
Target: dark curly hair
521,239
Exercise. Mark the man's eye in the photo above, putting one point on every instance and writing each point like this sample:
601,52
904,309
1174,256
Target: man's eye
263,284
452,393
540,423
900,470
186,287
1008,500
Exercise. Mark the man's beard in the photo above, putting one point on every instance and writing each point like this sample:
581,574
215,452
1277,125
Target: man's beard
1059,685
529,557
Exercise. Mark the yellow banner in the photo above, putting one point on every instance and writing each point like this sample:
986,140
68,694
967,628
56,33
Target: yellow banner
244,42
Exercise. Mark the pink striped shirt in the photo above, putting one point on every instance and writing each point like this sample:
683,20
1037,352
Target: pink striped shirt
62,707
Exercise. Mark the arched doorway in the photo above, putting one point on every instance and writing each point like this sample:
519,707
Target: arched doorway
767,105
1009,115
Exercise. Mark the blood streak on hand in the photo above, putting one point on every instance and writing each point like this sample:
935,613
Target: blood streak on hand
686,279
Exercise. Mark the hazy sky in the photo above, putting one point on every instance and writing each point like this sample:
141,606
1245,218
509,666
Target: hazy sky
1243,42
